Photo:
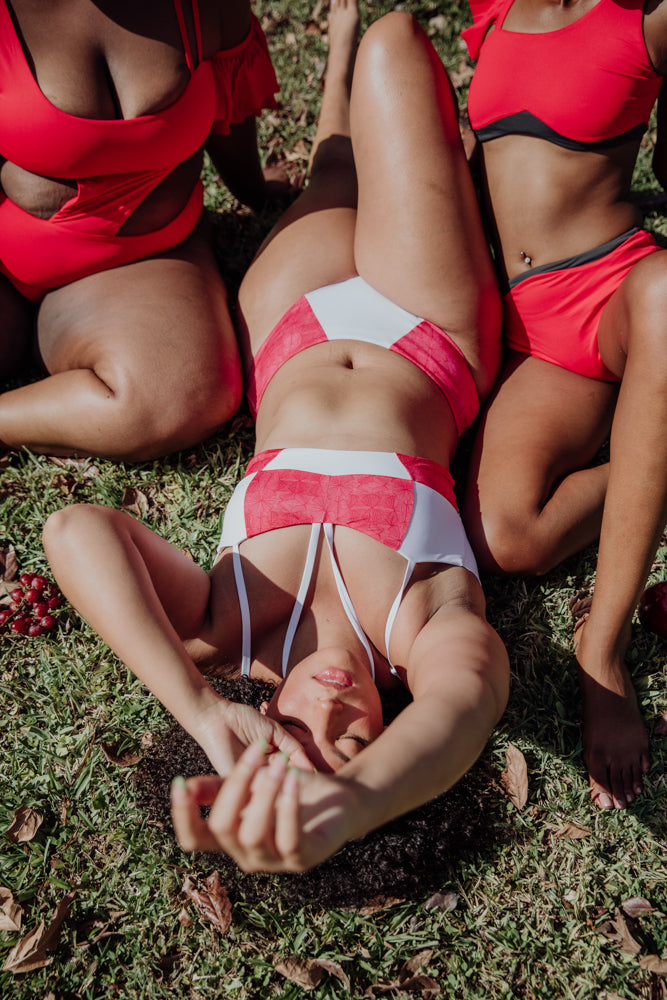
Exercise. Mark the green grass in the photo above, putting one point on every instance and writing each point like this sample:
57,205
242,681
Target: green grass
531,905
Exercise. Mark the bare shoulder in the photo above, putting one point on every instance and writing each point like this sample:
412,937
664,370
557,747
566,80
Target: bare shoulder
655,33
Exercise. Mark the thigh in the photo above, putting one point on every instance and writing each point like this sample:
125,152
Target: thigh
634,316
419,237
159,326
541,424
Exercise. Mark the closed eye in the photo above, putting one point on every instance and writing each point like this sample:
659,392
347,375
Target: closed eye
294,722
357,739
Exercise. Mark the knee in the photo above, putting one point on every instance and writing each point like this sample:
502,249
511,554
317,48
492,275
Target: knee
159,415
388,39
62,530
504,543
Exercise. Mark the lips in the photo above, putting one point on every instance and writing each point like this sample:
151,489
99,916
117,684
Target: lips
331,677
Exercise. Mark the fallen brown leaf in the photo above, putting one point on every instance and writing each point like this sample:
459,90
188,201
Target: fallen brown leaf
211,900
30,952
414,964
445,901
8,563
135,501
617,930
636,906
573,831
10,911
127,759
301,971
514,778
24,826
653,963
378,903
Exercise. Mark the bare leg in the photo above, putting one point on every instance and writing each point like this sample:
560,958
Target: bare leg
530,500
312,243
143,361
632,342
419,237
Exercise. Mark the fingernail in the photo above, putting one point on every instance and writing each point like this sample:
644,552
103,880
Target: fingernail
178,787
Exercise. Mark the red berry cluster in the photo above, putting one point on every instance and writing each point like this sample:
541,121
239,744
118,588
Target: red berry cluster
32,606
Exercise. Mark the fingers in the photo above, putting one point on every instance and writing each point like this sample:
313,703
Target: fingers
254,813
297,755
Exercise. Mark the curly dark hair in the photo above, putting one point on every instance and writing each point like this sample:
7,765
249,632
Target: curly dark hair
409,857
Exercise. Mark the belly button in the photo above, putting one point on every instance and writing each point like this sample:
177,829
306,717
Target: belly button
528,261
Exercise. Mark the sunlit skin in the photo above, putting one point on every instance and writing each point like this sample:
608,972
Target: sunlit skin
170,619
331,705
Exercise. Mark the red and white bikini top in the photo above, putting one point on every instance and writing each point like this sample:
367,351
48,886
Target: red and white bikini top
40,138
587,85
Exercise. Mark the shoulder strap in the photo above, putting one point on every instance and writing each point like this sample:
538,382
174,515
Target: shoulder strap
185,38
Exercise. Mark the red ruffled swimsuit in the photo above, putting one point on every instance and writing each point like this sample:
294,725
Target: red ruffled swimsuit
116,163
587,86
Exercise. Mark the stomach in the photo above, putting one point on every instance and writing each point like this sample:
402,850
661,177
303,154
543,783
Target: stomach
546,203
43,197
356,397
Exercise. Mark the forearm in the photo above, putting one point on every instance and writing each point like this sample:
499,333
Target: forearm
459,698
236,158
104,574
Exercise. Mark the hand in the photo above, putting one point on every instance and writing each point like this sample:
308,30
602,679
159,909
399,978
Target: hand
266,816
226,729
278,184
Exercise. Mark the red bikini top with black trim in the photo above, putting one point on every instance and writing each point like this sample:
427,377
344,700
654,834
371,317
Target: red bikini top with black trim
587,85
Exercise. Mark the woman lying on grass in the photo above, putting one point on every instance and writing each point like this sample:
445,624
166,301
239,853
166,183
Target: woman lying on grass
343,568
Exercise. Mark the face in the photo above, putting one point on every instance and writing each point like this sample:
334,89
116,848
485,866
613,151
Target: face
330,704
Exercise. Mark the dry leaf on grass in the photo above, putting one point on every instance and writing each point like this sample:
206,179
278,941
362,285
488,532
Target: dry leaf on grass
127,759
24,826
8,564
410,979
211,900
445,901
30,952
617,930
636,906
307,972
573,831
378,903
653,963
10,911
135,501
514,778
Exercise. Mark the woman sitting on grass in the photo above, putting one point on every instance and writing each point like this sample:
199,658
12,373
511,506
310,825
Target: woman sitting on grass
560,99
343,568
106,272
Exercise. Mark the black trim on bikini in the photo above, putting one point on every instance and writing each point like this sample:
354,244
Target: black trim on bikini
525,123
587,257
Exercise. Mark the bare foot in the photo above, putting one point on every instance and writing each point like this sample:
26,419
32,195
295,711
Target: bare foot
343,35
614,737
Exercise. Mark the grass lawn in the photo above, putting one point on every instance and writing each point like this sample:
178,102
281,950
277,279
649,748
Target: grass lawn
538,901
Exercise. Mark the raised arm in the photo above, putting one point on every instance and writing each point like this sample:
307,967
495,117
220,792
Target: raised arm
268,818
144,597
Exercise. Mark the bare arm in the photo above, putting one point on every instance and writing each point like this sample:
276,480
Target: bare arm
236,158
461,673
144,597
660,150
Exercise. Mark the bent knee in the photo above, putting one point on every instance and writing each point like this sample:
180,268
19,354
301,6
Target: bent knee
153,417
508,545
388,37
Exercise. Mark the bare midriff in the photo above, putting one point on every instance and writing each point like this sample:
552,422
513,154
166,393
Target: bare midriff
356,397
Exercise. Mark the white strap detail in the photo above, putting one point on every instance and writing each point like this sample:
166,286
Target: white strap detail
301,596
245,611
393,611
346,600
